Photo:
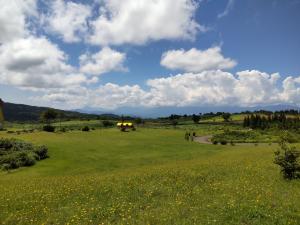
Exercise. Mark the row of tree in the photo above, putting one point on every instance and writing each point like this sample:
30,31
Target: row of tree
197,117
280,120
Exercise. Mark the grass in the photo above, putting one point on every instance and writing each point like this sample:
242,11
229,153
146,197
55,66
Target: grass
151,176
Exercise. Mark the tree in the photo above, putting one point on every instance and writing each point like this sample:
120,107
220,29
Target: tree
196,118
174,122
287,158
226,116
49,115
61,115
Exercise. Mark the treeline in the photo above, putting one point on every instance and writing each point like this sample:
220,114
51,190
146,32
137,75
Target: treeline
280,120
266,112
195,117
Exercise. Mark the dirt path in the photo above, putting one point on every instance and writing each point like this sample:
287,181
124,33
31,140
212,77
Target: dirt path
203,139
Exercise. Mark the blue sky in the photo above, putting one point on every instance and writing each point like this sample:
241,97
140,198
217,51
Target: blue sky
150,54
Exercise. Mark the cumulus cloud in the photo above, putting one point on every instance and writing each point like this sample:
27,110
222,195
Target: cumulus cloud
68,19
36,63
208,88
13,23
104,61
291,90
195,60
137,22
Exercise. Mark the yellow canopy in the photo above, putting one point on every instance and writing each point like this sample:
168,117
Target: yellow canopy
119,124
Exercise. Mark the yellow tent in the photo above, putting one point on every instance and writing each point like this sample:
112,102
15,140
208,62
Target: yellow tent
124,124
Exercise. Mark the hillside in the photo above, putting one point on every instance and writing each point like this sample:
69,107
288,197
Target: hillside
22,113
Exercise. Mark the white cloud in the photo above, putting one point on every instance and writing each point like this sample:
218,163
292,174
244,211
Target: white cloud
68,19
104,61
13,22
291,90
36,63
195,60
137,22
228,8
208,88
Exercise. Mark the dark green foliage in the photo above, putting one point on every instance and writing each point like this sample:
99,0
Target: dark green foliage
49,115
287,157
223,142
226,116
196,118
235,136
215,142
48,128
15,153
107,123
85,128
41,152
278,119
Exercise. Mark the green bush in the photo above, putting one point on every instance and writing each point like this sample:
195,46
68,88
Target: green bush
287,158
41,152
215,142
85,128
107,123
48,128
15,153
223,142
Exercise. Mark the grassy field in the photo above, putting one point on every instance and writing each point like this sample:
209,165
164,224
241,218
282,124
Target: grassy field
151,176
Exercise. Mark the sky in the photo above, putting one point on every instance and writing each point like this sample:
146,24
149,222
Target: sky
141,55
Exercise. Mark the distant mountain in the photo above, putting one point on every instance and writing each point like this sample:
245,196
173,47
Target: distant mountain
22,113
166,111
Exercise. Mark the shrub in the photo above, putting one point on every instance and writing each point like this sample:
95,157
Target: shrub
287,158
107,123
48,128
215,142
63,129
223,142
41,152
15,153
85,128
26,159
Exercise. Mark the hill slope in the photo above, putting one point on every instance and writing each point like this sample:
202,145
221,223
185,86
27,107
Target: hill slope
22,113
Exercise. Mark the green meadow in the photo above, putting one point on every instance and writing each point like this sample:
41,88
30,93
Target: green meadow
150,176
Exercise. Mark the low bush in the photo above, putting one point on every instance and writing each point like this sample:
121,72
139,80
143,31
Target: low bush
85,128
287,157
223,142
15,153
107,123
48,128
215,142
63,129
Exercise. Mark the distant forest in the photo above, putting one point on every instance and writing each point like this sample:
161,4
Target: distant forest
289,119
